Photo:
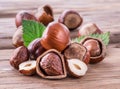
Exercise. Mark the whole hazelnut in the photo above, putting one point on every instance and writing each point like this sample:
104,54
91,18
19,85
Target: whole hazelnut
56,36
93,47
35,48
71,19
20,55
23,15
17,38
88,29
45,14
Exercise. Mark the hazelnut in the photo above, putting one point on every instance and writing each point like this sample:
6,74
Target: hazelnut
45,15
23,15
96,49
35,48
78,51
76,67
17,38
56,36
71,19
28,68
88,29
93,47
20,55
51,65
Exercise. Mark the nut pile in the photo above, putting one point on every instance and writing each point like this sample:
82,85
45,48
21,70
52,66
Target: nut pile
54,55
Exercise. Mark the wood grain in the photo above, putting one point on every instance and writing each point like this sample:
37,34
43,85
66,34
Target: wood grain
104,75
105,13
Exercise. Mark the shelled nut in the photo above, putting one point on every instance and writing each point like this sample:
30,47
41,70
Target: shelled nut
78,51
28,67
96,48
51,65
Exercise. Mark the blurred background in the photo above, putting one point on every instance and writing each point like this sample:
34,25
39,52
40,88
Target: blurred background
105,13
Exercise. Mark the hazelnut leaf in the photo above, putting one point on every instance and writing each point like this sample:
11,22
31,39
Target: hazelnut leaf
31,31
105,37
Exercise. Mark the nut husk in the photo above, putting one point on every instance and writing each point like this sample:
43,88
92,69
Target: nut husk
41,73
78,51
99,58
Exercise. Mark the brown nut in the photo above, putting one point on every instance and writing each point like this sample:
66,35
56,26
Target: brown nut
93,47
51,65
20,55
28,67
23,15
35,49
71,19
17,38
45,15
78,51
90,28
98,48
56,36
76,68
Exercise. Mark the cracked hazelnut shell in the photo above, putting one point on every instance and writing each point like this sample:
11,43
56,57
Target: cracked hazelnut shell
56,36
101,56
71,19
49,65
20,55
78,51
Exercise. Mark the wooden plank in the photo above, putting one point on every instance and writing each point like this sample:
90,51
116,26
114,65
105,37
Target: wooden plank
104,75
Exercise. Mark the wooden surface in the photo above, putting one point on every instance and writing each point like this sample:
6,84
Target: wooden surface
104,75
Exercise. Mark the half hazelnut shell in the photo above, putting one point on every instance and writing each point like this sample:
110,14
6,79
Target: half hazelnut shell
100,57
41,71
78,51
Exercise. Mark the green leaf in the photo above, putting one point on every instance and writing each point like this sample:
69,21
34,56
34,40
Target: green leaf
31,31
105,37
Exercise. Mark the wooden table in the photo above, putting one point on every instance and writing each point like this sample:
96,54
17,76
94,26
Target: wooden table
104,75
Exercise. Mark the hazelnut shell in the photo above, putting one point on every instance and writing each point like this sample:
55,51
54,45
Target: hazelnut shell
56,36
20,55
71,19
40,72
35,48
99,58
76,50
